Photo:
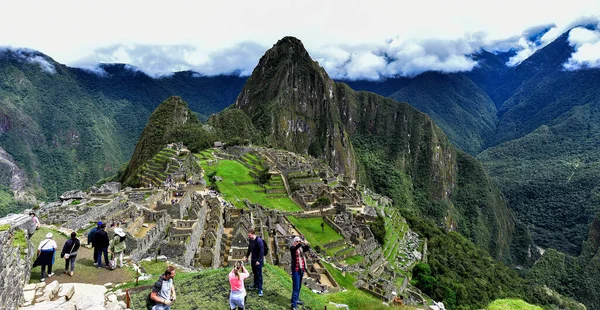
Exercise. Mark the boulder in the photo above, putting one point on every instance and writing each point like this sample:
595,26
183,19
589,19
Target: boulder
75,194
161,258
108,285
51,290
28,296
339,306
111,297
107,188
22,221
67,290
29,287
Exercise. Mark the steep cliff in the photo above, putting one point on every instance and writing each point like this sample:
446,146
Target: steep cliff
390,146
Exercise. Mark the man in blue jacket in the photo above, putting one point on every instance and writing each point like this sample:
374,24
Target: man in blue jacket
90,238
256,249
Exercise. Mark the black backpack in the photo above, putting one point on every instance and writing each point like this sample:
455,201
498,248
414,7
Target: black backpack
266,247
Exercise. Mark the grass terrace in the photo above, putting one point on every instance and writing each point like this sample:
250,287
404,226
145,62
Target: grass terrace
234,172
311,228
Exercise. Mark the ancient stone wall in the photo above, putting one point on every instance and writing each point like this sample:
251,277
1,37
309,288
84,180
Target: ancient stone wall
192,246
162,222
96,214
15,262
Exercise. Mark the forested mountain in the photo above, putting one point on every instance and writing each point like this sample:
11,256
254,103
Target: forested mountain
67,128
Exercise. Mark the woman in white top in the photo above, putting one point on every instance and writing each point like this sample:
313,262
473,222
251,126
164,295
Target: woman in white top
45,253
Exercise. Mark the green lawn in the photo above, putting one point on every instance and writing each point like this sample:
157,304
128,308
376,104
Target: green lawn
233,171
311,228
512,304
354,259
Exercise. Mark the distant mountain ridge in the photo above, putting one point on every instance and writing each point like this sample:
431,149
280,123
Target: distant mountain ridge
68,127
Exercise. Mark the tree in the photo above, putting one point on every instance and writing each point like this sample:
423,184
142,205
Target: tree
321,203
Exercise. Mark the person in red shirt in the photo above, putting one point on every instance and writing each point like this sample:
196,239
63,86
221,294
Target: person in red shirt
298,248
236,279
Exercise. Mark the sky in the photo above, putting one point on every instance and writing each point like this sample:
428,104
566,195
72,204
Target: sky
351,39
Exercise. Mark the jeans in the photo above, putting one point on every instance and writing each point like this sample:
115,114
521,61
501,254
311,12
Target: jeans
100,252
44,270
95,255
70,260
161,307
257,272
236,299
296,285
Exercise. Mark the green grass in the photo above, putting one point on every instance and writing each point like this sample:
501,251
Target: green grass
354,259
512,304
311,228
4,227
233,171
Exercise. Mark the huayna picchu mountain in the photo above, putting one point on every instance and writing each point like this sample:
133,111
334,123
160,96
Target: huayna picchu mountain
387,145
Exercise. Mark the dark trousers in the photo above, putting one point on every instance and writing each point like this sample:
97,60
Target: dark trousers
70,261
296,285
95,255
100,252
44,270
257,271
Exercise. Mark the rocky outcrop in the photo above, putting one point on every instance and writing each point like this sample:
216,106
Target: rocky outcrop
11,175
74,194
16,253
106,188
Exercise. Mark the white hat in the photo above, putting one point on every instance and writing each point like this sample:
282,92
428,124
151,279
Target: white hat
119,232
49,235
297,239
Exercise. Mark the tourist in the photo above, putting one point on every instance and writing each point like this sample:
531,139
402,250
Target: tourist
45,253
236,280
90,237
101,243
118,246
298,248
69,253
35,220
163,291
256,249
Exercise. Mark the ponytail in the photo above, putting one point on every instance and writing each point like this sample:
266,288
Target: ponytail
237,273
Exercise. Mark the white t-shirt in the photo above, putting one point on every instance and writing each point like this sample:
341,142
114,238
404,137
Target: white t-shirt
47,244
165,290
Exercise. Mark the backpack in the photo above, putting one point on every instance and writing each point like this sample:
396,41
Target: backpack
265,246
149,302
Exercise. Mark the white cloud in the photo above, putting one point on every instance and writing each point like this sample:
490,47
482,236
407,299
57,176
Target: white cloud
586,45
30,56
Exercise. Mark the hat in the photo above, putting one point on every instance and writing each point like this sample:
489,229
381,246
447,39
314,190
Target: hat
119,231
297,239
99,223
49,235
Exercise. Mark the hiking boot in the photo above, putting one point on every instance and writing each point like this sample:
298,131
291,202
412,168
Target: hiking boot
260,293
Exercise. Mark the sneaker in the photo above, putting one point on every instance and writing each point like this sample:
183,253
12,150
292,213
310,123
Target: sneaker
251,287
50,275
260,293
42,280
71,273
300,302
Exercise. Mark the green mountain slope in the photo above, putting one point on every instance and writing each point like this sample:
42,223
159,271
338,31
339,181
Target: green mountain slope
462,109
69,128
387,145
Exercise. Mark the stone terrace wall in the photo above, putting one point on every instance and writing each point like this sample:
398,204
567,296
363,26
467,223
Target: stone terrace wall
151,236
192,246
96,214
15,269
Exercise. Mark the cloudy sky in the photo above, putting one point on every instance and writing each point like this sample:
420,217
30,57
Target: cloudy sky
351,39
